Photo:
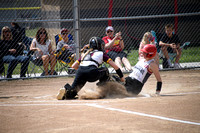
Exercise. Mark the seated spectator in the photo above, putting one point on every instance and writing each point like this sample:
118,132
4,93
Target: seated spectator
170,43
68,45
43,50
12,53
16,32
114,46
148,39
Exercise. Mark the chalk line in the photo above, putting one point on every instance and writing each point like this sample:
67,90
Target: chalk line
143,114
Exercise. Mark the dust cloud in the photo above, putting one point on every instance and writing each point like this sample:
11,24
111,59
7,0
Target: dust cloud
108,90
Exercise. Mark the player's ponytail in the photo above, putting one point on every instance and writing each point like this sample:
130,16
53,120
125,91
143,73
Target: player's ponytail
88,51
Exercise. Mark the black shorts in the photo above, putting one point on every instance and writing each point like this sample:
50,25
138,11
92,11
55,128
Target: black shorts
133,86
113,55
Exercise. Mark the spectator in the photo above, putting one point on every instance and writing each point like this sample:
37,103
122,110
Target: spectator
143,70
114,46
12,53
88,69
148,39
43,50
68,45
170,43
16,32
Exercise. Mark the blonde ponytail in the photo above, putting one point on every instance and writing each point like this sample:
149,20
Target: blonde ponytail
91,49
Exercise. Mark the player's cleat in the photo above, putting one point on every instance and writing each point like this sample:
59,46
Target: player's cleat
61,94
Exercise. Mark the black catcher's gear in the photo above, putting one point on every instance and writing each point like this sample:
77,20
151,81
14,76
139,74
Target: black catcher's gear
70,93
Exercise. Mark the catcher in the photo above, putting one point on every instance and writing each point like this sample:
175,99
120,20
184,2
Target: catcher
88,69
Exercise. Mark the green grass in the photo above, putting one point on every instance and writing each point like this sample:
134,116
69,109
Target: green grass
31,32
191,54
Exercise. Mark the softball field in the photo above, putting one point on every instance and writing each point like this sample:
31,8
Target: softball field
30,106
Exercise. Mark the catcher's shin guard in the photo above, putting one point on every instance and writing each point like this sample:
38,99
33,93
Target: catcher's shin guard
70,93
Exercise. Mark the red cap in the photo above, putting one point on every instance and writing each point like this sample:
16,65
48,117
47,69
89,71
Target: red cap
64,30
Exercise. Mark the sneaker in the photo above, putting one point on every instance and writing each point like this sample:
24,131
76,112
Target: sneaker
60,95
177,66
169,63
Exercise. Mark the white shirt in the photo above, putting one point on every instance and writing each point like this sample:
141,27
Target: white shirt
95,55
141,71
44,48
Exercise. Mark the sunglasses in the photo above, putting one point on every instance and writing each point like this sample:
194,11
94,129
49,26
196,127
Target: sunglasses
6,31
109,31
43,33
64,33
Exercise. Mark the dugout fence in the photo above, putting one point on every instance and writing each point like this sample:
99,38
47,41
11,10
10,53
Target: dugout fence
88,18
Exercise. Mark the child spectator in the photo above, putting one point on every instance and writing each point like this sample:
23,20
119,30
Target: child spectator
148,39
170,43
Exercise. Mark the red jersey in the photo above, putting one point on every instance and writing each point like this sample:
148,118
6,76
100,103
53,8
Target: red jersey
115,46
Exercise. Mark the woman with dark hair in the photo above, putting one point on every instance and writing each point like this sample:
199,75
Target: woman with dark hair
43,50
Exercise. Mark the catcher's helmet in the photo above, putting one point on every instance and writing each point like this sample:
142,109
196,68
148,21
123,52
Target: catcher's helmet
97,43
150,50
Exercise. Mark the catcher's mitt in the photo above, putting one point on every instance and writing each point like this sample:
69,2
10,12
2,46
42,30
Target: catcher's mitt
70,94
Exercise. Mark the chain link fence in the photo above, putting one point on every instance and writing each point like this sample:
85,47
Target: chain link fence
132,18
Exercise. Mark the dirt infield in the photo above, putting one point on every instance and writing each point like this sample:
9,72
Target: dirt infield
30,106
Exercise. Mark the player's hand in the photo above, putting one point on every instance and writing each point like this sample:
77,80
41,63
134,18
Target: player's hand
157,93
122,79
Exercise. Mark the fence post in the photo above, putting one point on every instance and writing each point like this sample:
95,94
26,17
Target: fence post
76,27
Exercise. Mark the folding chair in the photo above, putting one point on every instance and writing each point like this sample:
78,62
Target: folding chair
64,64
36,65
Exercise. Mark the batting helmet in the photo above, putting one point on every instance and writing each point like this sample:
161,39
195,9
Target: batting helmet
150,50
97,43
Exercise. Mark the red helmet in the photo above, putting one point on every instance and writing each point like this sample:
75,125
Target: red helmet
150,50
